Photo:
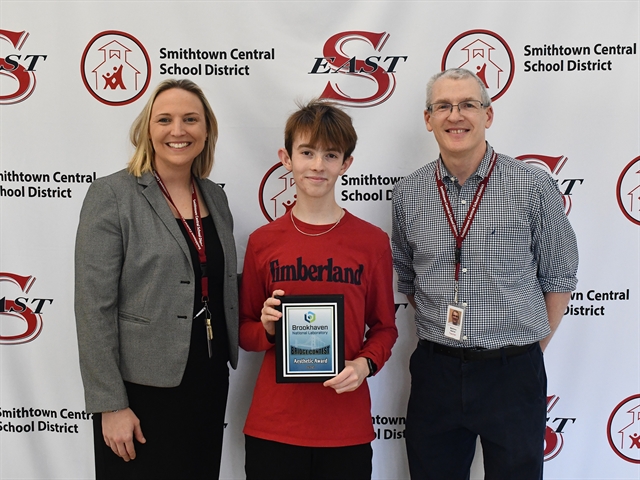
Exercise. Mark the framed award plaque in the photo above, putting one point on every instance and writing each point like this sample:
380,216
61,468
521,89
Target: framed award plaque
309,338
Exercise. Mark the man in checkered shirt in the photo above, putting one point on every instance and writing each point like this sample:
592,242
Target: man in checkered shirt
486,236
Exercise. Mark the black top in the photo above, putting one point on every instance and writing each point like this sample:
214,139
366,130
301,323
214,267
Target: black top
215,267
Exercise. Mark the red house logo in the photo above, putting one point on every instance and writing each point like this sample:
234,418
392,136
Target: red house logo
115,68
623,429
628,191
487,55
277,194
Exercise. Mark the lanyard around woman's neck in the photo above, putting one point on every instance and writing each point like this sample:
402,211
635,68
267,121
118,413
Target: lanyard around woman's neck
197,238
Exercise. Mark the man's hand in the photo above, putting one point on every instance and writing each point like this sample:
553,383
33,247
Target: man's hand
119,429
412,301
556,303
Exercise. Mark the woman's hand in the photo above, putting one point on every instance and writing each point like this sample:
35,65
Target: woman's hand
119,428
269,314
351,377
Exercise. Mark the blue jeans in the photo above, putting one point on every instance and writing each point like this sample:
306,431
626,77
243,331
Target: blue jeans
502,400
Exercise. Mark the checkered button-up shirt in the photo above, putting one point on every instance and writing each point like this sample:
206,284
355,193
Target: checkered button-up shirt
519,247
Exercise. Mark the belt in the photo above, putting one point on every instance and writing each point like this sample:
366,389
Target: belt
472,354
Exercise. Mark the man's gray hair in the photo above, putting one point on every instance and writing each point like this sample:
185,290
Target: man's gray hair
458,74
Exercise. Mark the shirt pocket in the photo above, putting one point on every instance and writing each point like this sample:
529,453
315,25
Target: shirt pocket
507,250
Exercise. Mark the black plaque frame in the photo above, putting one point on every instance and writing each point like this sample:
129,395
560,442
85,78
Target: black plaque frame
298,360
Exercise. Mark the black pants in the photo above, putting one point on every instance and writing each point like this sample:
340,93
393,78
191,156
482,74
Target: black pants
453,402
267,460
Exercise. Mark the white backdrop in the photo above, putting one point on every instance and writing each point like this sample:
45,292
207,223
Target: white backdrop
565,80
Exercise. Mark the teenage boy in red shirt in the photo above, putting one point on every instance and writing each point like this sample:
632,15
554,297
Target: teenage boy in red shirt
316,430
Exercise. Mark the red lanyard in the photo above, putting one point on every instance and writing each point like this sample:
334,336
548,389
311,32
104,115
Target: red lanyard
196,238
468,220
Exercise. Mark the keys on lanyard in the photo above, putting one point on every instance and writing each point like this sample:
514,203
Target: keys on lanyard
208,326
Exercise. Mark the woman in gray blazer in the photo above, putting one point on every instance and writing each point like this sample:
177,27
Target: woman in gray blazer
156,297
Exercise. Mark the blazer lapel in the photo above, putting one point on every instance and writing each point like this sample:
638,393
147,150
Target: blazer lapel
156,199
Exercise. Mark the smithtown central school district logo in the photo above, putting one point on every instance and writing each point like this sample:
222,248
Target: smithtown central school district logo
487,55
115,68
628,191
623,429
277,194
359,74
17,70
20,319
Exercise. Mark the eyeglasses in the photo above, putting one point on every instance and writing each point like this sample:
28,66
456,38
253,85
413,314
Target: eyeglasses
468,107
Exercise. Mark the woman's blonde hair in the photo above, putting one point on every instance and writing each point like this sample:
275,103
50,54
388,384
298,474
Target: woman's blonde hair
142,159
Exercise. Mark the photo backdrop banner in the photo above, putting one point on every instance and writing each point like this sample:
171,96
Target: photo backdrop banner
565,81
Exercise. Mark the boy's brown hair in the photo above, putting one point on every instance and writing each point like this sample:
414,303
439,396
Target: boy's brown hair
326,125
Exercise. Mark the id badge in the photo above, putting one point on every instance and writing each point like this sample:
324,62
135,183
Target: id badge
455,319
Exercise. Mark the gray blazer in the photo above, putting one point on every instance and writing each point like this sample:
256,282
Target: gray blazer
134,287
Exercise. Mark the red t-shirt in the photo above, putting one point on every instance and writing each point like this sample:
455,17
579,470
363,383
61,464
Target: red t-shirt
309,414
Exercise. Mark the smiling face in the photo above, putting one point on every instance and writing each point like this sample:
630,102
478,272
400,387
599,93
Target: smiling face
460,137
315,168
177,129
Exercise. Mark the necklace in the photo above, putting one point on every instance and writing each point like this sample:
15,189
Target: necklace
315,234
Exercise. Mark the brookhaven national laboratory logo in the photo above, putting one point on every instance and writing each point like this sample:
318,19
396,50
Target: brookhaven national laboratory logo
115,68
359,75
628,191
486,54
553,165
17,70
623,429
21,318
